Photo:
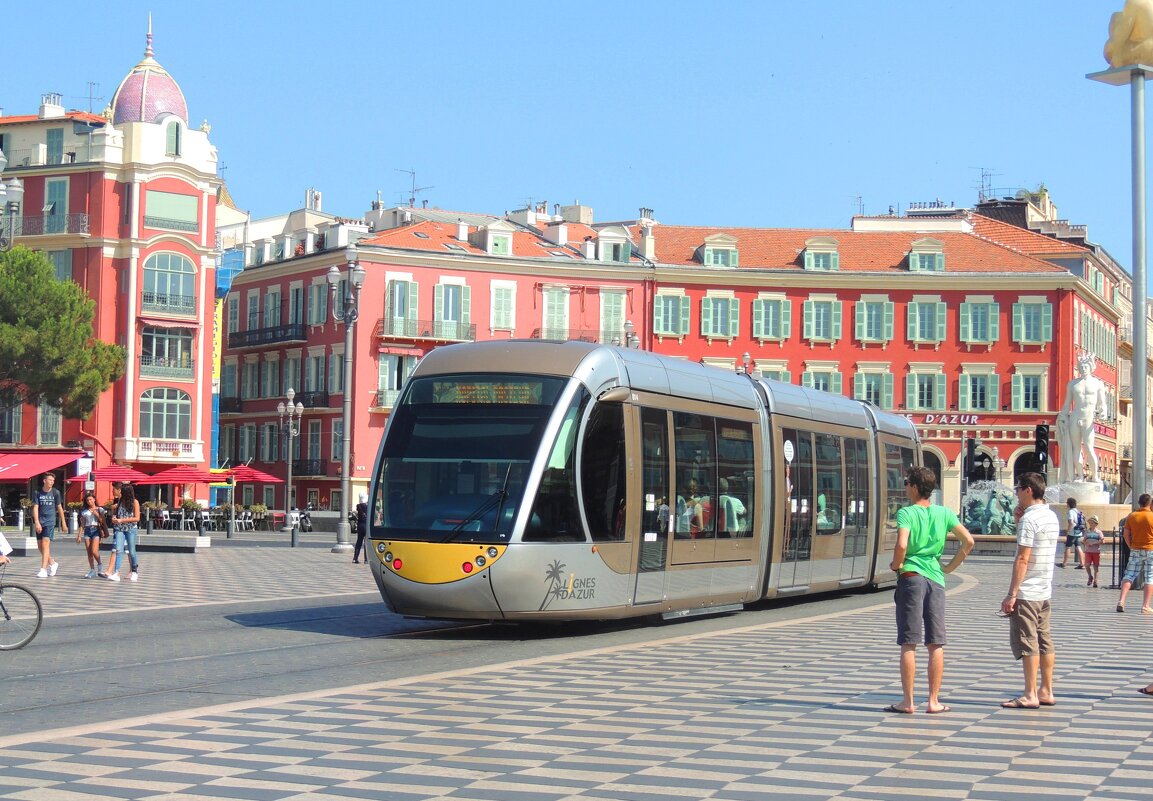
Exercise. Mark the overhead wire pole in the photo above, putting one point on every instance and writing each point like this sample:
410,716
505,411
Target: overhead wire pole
1135,75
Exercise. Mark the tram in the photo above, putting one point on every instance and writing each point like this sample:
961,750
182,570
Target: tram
529,480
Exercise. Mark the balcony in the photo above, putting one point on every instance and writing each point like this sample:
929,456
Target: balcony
309,467
289,332
312,399
435,330
577,335
184,305
386,398
1125,335
50,224
151,367
230,405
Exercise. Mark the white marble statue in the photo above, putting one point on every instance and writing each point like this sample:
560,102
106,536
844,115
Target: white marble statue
1131,34
1085,401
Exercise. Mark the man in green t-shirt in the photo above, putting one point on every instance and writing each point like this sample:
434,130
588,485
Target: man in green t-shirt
920,596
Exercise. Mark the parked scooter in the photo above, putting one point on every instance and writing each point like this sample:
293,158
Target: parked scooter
306,518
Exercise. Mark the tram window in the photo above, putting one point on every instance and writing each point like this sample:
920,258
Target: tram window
799,480
554,516
897,459
696,472
655,518
830,496
856,496
603,472
735,485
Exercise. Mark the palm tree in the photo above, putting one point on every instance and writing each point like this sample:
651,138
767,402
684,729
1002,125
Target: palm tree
553,577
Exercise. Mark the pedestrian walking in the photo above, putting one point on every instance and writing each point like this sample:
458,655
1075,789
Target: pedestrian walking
1138,535
47,514
361,528
91,531
125,517
1074,534
920,596
1093,539
1027,604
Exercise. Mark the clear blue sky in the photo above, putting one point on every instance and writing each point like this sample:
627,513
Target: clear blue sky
768,113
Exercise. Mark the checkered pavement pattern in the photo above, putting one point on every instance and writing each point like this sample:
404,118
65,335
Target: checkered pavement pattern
786,709
267,571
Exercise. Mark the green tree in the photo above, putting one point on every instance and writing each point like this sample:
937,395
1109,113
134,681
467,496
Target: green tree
48,350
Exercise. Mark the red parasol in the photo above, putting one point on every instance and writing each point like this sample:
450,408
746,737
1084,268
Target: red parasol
244,474
183,474
114,472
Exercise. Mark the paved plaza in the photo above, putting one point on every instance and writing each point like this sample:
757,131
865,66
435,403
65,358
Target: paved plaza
779,709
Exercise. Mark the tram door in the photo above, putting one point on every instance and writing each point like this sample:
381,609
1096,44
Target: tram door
655,519
797,543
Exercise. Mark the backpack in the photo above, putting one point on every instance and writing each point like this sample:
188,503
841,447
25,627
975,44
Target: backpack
1080,525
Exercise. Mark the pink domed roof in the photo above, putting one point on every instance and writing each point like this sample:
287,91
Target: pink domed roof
148,92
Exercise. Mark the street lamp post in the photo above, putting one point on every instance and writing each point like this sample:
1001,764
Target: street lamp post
346,311
11,193
290,417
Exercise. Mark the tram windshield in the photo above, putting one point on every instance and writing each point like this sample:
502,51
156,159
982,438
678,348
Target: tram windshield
458,453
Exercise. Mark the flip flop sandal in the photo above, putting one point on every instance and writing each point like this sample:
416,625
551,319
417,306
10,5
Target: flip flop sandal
1018,703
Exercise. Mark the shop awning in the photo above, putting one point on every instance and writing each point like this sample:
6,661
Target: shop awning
23,465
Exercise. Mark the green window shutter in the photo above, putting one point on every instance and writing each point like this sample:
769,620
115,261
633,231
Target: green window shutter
964,392
707,257
806,379
686,316
911,321
994,322
939,262
808,260
966,328
836,320
808,315
734,256
859,386
888,326
1018,392
1018,322
940,314
993,393
859,320
940,400
786,377
438,302
706,317
413,294
887,391
759,318
734,318
659,324
1047,322
835,384
465,305
911,391
835,262
786,319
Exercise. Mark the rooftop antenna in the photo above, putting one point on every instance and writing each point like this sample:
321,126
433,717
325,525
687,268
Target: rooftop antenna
860,205
92,96
412,194
985,187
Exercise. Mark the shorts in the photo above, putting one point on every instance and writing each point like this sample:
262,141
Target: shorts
920,611
92,532
1092,559
1029,633
46,532
1073,540
1140,564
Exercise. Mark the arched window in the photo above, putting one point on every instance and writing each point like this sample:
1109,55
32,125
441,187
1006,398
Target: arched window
169,284
173,139
165,413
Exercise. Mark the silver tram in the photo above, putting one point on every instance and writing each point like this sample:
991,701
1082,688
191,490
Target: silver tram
521,480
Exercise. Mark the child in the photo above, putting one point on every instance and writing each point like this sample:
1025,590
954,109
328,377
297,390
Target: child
91,531
1092,543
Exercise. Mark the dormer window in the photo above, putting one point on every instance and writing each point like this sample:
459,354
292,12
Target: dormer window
613,244
501,245
821,254
495,238
719,250
927,256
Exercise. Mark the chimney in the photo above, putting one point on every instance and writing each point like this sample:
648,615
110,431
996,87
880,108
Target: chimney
461,231
557,233
589,248
51,105
648,242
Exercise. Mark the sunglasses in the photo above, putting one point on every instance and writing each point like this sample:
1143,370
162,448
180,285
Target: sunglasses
1022,489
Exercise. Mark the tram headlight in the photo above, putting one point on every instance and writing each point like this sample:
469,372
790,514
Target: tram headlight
466,567
492,552
388,556
481,561
380,547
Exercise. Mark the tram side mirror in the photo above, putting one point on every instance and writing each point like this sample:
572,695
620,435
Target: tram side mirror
615,395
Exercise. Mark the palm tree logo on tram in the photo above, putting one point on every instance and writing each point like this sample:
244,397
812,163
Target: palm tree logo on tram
554,577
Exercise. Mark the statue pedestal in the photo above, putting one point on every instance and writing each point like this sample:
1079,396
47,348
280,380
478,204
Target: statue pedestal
1086,493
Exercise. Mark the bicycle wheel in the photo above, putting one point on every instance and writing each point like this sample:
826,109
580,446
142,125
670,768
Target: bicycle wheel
20,616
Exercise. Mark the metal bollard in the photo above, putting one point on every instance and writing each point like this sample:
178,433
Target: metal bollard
295,528
200,525
148,525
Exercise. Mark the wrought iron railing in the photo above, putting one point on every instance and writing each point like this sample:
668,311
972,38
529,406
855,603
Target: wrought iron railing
442,330
169,304
312,399
309,467
230,405
48,224
289,332
167,368
386,398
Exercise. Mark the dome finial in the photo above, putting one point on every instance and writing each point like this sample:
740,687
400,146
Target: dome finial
148,48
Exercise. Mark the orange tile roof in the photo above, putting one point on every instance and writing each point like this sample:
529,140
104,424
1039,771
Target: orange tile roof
82,116
436,237
860,251
1023,239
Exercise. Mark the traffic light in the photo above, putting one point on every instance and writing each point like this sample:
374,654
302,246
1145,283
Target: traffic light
970,455
1041,443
